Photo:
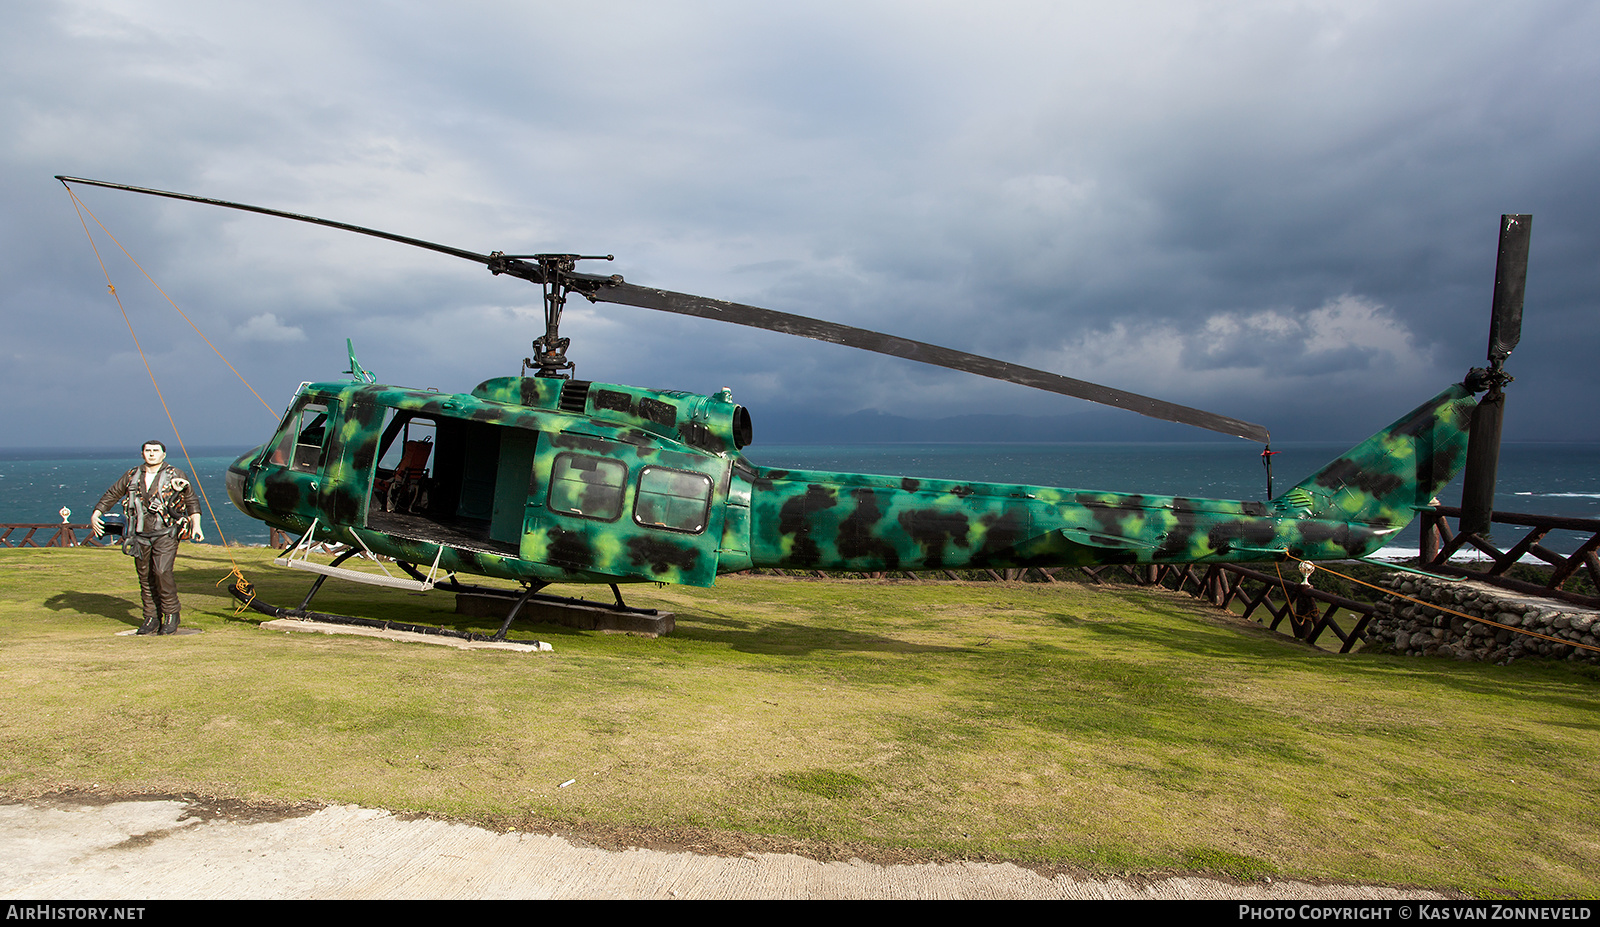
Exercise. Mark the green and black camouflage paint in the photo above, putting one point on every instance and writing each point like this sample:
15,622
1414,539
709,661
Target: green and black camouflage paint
501,445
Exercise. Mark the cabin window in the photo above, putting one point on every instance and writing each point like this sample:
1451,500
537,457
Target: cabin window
587,486
402,481
673,499
398,450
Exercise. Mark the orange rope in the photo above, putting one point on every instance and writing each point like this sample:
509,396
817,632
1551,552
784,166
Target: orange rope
245,587
78,204
129,322
1451,611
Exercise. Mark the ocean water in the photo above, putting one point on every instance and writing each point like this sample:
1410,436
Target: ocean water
35,483
1542,479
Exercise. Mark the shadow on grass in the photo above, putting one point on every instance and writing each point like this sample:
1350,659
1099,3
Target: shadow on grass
1185,628
1180,627
1545,682
773,638
201,579
115,608
789,638
1538,681
431,609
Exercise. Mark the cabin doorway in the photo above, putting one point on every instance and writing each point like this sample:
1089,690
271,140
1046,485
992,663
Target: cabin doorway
451,481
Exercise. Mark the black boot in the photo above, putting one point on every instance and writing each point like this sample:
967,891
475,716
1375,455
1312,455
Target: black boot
152,625
169,625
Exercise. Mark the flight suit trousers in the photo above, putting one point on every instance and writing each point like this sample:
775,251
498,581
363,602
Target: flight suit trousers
155,559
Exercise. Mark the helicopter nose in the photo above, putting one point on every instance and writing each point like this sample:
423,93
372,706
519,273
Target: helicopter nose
238,472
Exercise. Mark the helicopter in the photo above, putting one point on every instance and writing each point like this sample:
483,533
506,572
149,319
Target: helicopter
545,478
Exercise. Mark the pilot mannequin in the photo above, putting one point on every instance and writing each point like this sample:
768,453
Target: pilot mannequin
160,506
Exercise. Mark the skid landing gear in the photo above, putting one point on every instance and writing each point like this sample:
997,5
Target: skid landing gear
246,595
583,614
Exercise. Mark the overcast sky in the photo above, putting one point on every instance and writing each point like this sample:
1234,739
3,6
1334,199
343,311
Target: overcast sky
1283,212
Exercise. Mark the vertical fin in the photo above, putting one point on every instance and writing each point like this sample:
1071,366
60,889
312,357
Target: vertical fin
1384,479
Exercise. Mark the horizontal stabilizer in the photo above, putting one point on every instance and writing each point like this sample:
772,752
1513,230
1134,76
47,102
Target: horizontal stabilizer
1104,541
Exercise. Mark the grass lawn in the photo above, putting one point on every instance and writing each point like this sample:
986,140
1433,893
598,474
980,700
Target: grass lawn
1129,730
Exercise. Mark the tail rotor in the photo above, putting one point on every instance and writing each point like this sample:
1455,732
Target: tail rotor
1505,330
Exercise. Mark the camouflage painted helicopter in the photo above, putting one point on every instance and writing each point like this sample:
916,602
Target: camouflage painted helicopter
549,479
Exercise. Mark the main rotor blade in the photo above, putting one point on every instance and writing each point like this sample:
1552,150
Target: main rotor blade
614,290
513,267
628,294
1510,279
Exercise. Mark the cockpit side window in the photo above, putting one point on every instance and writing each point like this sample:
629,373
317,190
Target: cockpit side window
301,442
312,438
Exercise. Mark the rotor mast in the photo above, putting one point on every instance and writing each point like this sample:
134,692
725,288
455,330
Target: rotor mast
550,349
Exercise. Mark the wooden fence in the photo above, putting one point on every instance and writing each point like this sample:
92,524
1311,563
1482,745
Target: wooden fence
55,535
1310,612
1439,543
28,534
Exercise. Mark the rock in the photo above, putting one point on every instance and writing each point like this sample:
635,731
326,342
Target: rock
1486,629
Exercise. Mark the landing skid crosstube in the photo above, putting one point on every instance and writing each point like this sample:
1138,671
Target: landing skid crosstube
518,598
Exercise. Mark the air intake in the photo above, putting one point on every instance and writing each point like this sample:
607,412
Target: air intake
575,396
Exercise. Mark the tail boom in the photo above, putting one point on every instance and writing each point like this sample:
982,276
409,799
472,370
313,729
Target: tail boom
845,521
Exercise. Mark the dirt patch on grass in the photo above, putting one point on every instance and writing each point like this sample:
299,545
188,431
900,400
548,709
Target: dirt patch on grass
197,807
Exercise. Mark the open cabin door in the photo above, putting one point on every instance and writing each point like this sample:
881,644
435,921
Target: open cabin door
623,511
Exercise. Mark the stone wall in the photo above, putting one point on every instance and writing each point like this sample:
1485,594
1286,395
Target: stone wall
1418,630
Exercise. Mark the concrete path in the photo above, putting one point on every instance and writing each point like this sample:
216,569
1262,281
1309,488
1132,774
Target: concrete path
172,849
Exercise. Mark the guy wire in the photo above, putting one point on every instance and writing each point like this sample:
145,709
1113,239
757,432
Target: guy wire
146,361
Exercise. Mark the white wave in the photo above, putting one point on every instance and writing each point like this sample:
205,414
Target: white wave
1460,556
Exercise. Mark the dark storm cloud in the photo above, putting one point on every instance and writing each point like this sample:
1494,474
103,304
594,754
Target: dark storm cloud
1283,211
